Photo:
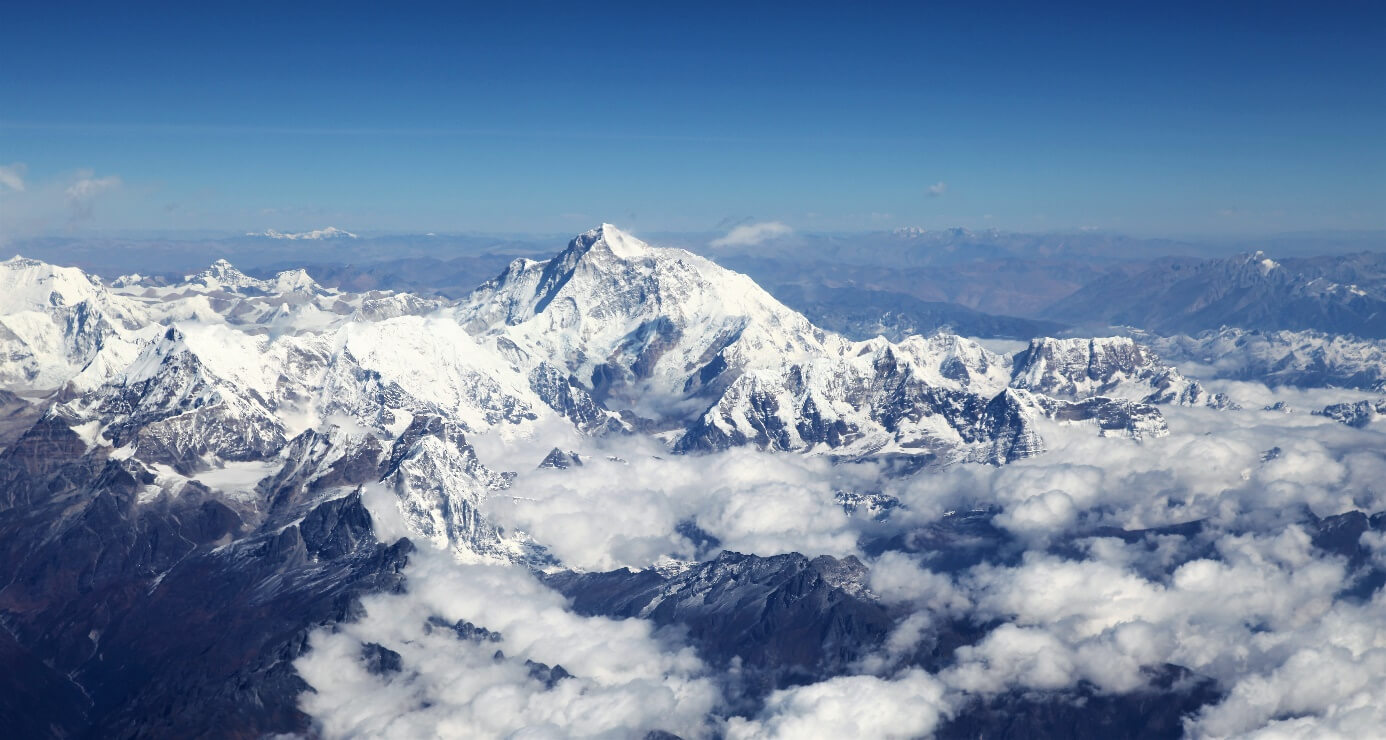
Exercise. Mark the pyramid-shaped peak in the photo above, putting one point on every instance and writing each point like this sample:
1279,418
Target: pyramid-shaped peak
618,242
223,275
222,267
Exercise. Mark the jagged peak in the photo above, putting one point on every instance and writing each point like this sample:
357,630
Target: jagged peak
221,274
1091,342
1082,351
1257,260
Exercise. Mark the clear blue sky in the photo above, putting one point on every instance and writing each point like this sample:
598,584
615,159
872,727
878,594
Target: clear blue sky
1138,117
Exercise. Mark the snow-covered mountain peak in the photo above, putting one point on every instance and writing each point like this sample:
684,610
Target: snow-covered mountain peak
1107,366
222,275
30,285
58,321
330,232
19,261
1262,262
618,242
289,281
641,280
616,313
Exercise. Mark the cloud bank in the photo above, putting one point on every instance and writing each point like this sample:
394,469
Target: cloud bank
749,235
1095,580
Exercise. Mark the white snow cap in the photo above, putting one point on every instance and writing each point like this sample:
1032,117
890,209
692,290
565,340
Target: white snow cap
620,243
330,232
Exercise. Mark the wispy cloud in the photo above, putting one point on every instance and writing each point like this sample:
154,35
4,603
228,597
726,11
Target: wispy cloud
749,235
937,189
81,195
12,176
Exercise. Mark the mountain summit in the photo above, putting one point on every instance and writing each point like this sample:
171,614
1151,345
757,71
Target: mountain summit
682,346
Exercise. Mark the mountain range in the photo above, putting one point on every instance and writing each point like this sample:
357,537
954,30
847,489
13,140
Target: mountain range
1345,295
187,465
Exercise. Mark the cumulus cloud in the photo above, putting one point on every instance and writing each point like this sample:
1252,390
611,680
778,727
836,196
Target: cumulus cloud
625,679
910,705
749,235
610,514
898,578
1212,466
12,176
1245,598
1259,614
938,189
1329,690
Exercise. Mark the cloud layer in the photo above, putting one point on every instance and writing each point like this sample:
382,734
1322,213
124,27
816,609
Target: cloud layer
749,235
1083,590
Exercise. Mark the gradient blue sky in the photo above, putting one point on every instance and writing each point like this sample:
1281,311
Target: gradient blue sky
1143,118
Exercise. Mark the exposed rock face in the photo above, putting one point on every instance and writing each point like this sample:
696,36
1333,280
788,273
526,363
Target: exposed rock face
1155,713
1112,366
788,618
1355,414
561,460
440,485
170,619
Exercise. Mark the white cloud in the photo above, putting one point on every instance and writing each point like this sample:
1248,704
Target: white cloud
749,235
866,707
1249,601
609,514
1255,617
12,176
1045,512
1329,690
897,578
1209,467
937,189
626,679
82,193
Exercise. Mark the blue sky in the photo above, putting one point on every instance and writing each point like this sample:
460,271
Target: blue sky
1143,118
